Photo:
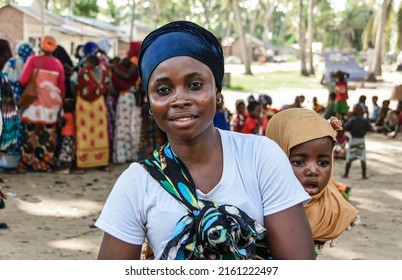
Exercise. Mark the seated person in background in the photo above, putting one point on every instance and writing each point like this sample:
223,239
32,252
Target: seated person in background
318,108
376,109
379,123
296,104
222,115
341,143
398,126
389,123
253,123
237,121
329,109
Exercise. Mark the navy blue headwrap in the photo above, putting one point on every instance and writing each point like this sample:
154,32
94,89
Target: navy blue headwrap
180,38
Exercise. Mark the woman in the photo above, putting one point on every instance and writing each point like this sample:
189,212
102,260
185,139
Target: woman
13,70
127,125
40,118
91,116
5,52
202,167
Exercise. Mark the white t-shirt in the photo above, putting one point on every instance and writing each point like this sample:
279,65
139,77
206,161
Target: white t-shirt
257,178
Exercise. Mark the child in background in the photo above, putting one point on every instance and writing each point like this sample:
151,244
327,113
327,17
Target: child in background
341,107
341,143
267,111
237,121
376,109
308,139
358,126
67,147
253,122
329,109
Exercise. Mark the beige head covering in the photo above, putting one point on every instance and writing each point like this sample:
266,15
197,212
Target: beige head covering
329,214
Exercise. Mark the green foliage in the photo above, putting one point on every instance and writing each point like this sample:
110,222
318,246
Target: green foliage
118,14
4,2
354,20
399,25
86,8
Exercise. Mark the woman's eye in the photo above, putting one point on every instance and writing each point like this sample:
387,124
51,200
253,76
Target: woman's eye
163,90
195,85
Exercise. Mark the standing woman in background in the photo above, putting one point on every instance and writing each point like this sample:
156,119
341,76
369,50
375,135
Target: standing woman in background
13,70
128,109
5,52
40,118
91,116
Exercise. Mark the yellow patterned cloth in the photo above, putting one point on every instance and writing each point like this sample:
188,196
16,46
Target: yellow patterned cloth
92,134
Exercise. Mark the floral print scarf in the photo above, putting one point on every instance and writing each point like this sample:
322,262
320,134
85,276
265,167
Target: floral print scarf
208,231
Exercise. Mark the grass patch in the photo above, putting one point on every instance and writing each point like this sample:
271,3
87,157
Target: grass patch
272,80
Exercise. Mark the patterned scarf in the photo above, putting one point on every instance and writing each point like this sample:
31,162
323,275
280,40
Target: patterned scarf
8,112
208,231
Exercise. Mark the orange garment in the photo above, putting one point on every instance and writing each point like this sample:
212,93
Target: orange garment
134,60
318,108
69,125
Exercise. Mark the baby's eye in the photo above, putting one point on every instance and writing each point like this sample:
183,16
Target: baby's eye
297,163
323,163
195,85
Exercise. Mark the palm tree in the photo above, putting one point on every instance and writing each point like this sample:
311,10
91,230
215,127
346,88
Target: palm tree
234,6
302,44
310,32
376,66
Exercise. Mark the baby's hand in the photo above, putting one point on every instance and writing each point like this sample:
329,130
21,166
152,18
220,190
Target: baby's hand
335,123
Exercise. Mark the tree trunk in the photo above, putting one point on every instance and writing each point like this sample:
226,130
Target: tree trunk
303,68
267,16
242,39
132,25
376,66
310,31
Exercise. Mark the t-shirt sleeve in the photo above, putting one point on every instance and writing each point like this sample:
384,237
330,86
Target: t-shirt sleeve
280,189
122,215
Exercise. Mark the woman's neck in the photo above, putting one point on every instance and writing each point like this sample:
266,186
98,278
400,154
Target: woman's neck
198,150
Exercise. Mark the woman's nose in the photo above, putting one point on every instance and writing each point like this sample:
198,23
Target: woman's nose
180,98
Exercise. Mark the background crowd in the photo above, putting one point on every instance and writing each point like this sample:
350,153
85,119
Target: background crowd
86,115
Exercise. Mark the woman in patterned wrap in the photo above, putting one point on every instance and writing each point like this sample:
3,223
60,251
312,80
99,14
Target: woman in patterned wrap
40,118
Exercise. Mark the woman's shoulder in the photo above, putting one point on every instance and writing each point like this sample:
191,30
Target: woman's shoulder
246,141
135,172
134,179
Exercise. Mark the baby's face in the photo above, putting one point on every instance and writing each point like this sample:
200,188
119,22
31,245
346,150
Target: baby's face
312,164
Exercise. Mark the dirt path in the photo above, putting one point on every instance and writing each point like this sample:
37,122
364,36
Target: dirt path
51,215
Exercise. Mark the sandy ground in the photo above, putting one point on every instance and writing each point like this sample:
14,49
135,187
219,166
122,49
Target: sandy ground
51,215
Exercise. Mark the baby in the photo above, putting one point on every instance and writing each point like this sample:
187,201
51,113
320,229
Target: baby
308,140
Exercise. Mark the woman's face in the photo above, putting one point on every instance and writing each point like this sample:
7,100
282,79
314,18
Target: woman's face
312,164
182,95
